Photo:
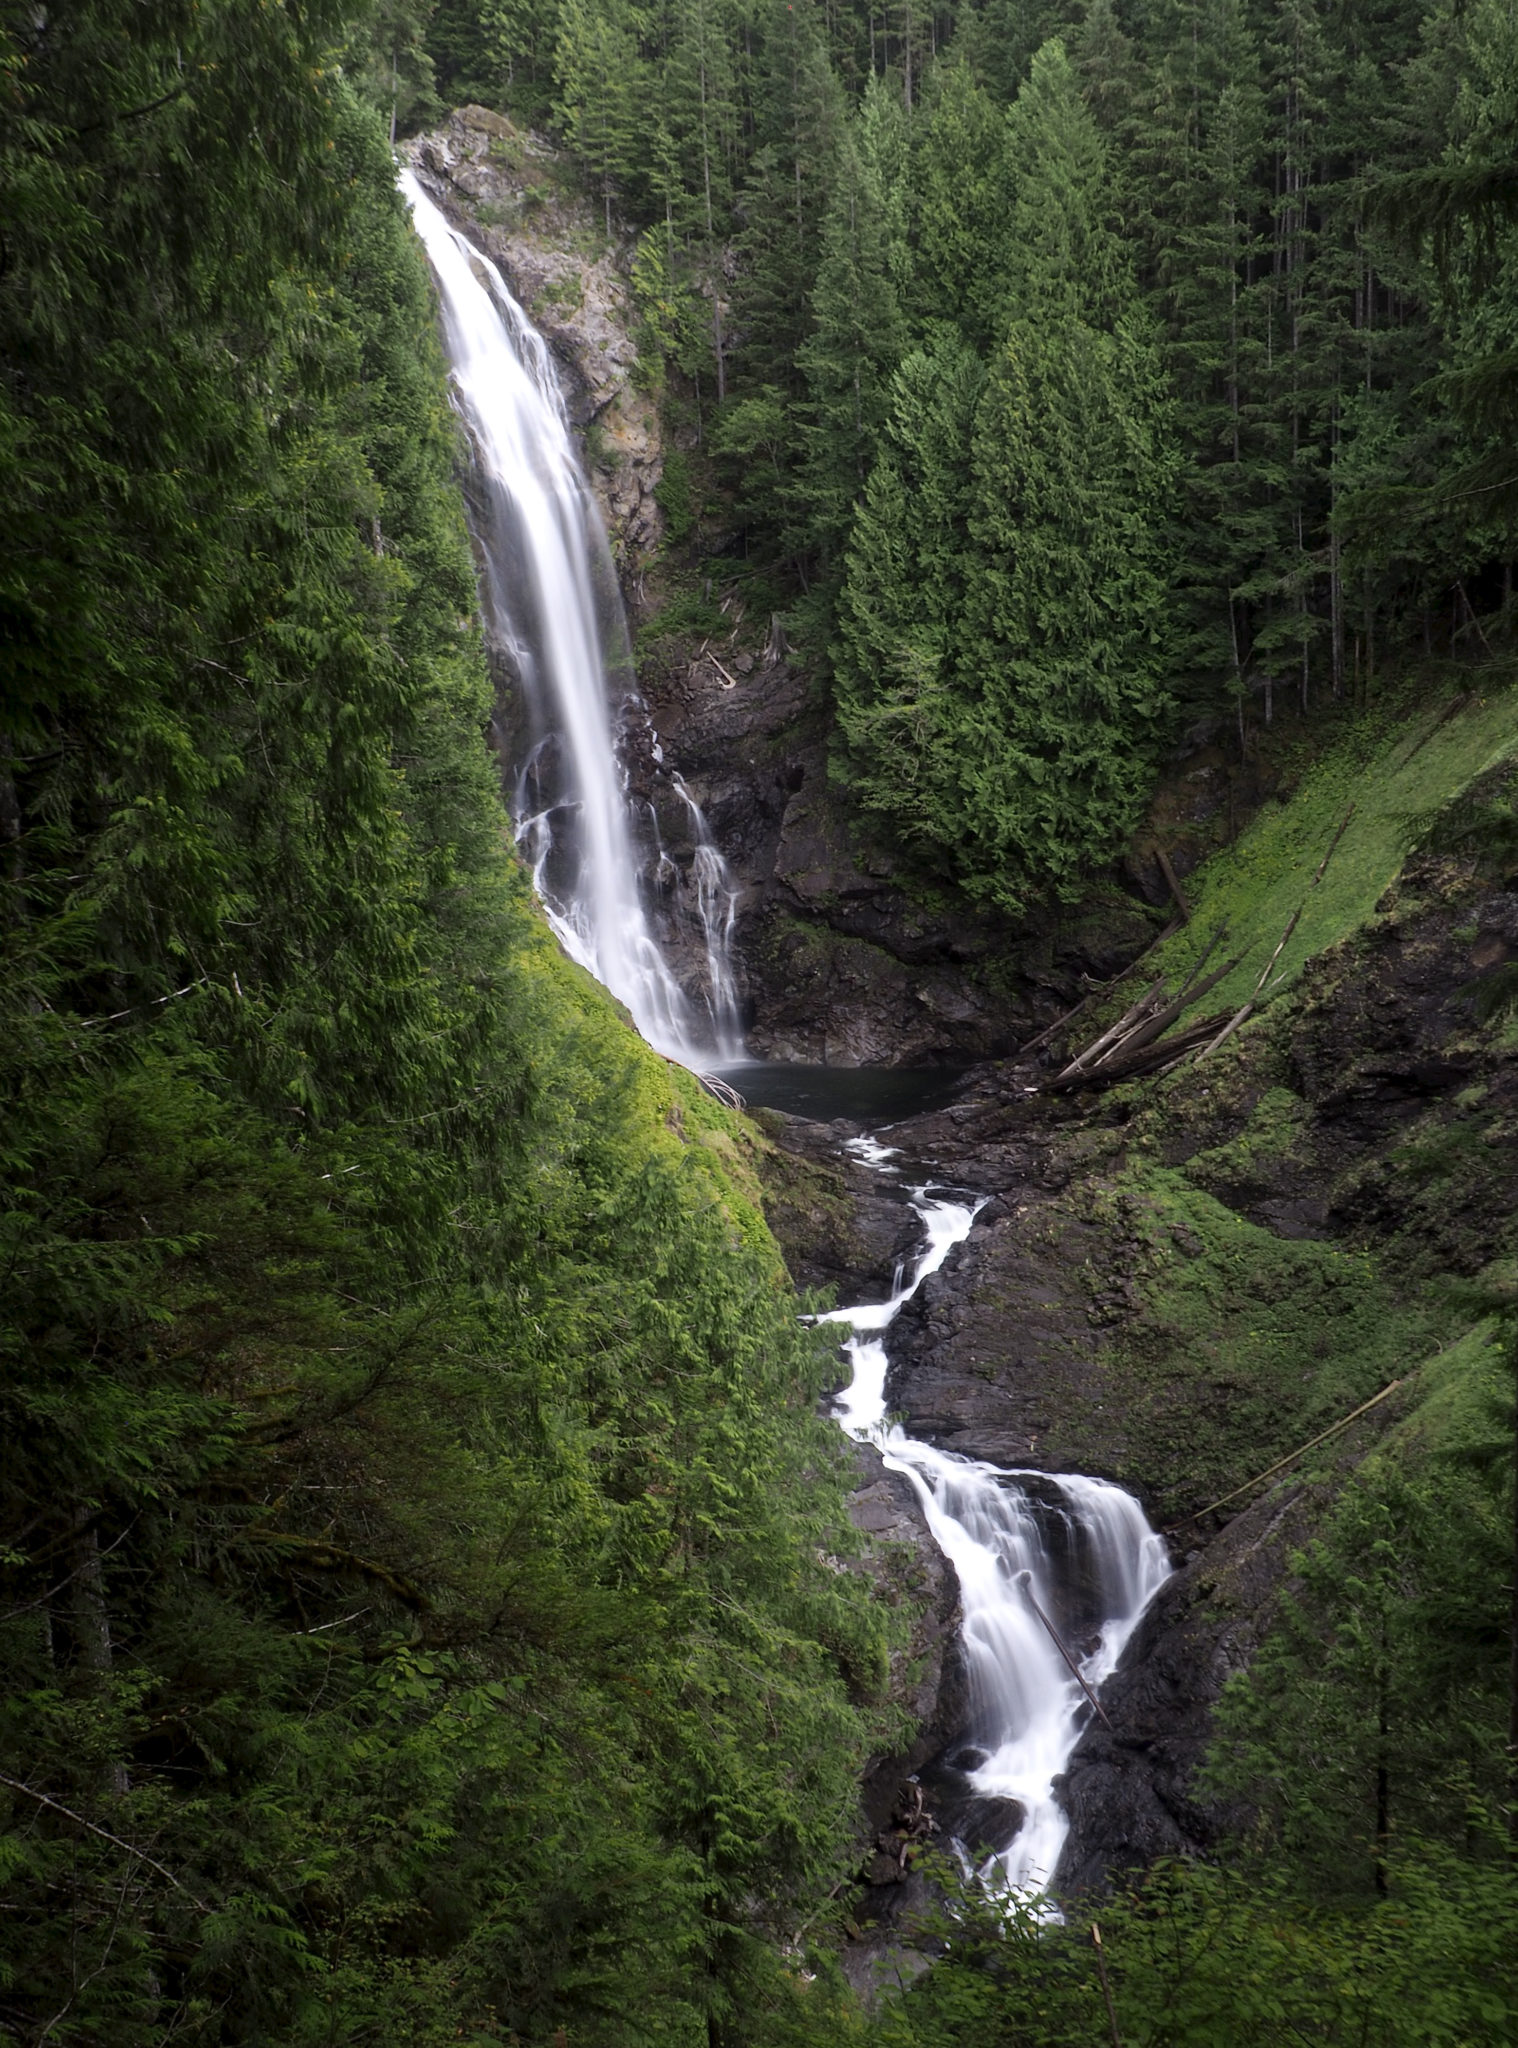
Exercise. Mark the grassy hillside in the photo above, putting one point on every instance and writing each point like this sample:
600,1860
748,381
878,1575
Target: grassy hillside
1388,775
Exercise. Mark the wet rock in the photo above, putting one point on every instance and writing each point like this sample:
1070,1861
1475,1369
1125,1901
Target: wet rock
841,1224
927,1674
1366,1108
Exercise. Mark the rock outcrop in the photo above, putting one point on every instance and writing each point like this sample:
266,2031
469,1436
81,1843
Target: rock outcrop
845,957
1175,1286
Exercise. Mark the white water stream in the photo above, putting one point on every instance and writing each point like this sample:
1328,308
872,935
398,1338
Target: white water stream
551,599
716,911
1079,1549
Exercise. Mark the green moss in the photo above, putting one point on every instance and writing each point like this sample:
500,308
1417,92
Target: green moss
1246,1344
1275,1130
1390,785
564,292
688,615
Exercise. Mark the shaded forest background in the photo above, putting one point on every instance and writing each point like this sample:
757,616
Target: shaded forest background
953,297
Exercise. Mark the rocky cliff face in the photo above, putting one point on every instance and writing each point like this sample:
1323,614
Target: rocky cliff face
843,959
846,960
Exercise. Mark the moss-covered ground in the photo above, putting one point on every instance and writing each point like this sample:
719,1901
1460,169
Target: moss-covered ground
1244,1345
1388,775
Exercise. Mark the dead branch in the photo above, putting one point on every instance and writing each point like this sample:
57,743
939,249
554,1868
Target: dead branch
30,1792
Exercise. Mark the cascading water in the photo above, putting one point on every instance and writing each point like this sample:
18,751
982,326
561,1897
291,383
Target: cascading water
716,909
1038,1557
552,604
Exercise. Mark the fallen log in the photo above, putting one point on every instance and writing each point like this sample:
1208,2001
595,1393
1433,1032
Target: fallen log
1173,885
1144,1059
1161,1052
1149,1028
1082,1061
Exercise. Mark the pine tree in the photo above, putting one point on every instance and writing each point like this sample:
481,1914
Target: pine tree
1063,260
1063,659
851,353
1199,140
903,596
700,119
999,39
799,117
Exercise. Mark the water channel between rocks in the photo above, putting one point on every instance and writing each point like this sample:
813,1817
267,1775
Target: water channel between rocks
1054,1573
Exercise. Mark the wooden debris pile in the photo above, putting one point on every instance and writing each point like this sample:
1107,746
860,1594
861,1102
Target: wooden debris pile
1136,1044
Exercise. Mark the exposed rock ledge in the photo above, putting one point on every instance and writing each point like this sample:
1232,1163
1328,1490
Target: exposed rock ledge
1105,1313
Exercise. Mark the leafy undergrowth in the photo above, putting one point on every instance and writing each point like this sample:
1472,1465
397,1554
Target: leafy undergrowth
1196,1956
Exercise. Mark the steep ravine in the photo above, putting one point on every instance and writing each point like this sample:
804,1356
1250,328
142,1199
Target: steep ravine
1173,1285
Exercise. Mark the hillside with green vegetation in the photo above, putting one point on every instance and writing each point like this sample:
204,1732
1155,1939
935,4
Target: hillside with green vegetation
1071,374
421,1611
1312,869
427,1603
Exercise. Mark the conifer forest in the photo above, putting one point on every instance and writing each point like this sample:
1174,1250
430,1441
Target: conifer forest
1026,493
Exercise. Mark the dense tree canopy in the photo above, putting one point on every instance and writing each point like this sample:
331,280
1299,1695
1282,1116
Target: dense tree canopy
422,1609
1319,483
425,1596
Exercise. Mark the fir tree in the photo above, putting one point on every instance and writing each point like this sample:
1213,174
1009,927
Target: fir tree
852,351
958,207
1002,670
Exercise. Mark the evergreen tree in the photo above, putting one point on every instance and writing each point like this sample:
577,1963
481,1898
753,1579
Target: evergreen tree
1064,658
1002,665
903,594
1064,260
852,351
602,89
799,119
1198,150
701,121
959,203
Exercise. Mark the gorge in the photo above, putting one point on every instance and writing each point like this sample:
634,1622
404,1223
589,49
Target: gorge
957,571
1038,1565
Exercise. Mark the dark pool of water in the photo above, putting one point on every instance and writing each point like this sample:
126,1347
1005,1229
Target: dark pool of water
865,1095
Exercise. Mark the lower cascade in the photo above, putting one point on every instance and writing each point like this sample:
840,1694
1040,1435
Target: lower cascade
1054,1573
552,604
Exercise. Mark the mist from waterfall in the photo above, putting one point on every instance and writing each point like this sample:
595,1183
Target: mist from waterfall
552,606
1050,1568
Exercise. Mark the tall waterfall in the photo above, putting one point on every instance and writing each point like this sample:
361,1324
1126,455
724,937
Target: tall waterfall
551,600
1048,1567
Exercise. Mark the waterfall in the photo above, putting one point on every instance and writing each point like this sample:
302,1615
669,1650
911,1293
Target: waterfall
551,602
716,910
1038,1557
